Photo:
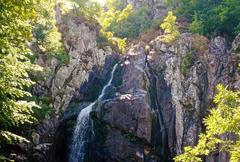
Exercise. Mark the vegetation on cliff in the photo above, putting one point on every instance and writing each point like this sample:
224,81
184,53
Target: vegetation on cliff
170,28
222,129
28,29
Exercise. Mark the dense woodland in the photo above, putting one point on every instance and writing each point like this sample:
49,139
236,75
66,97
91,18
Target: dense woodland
31,23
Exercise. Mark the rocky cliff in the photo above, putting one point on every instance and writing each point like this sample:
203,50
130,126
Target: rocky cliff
80,42
158,100
154,106
62,81
159,107
157,7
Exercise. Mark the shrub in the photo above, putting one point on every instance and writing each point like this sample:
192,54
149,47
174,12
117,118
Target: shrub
222,120
63,57
138,21
196,26
217,16
170,28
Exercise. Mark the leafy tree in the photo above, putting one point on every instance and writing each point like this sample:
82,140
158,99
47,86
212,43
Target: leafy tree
217,16
45,31
170,28
224,120
137,21
112,16
15,32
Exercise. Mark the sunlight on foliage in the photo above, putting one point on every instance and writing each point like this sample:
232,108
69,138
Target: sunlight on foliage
46,35
220,17
109,17
112,13
222,121
170,28
130,27
15,65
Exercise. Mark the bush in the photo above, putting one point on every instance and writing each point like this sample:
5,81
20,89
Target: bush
170,28
222,121
46,109
63,57
196,26
138,21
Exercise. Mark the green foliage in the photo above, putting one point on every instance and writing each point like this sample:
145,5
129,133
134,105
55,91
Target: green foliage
221,121
15,31
112,13
186,63
170,28
130,137
172,3
221,17
137,21
112,16
46,35
46,108
63,57
116,4
196,26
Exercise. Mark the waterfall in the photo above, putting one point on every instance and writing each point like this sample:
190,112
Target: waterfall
84,126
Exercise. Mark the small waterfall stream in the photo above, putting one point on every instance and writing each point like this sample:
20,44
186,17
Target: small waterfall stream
84,126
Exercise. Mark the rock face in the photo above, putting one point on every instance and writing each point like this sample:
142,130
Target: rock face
157,7
191,69
129,113
158,106
63,81
80,42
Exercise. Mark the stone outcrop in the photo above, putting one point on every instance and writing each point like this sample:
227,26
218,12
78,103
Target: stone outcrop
156,105
159,107
191,67
157,102
80,41
129,113
64,81
157,7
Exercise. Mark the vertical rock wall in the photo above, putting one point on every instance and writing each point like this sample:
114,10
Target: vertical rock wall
80,41
159,107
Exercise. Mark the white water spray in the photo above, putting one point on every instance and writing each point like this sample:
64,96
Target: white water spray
83,127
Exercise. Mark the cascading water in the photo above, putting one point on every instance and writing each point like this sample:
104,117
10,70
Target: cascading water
83,127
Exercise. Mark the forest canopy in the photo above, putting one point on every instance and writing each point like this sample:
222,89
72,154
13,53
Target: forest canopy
210,17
